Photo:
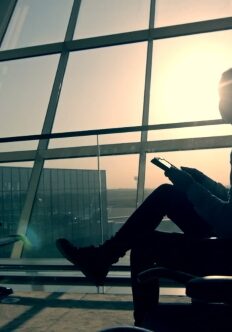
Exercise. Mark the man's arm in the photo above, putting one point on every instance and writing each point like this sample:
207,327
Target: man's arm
215,211
216,188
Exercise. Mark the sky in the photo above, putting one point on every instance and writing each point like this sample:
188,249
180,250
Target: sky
104,88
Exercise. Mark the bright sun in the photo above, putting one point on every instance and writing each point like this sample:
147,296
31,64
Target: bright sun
185,85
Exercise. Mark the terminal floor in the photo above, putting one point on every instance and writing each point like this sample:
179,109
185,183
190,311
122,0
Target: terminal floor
40,311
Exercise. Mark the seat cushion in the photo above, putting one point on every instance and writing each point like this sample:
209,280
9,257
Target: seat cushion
211,289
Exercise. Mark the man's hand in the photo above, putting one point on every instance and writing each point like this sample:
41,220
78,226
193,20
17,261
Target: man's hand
181,179
195,173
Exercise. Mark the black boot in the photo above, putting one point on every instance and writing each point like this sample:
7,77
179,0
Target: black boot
94,262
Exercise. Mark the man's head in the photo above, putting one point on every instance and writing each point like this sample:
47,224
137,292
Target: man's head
225,93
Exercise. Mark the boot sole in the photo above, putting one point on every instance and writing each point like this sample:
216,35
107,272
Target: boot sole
96,281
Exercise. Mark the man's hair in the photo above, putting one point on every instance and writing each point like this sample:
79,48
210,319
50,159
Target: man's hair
225,95
226,78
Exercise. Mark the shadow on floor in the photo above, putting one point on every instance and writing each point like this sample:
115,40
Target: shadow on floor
34,306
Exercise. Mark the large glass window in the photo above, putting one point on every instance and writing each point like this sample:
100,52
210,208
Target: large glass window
105,17
89,194
37,22
185,11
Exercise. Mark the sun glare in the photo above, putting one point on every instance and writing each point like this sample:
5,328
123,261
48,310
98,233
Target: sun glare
186,86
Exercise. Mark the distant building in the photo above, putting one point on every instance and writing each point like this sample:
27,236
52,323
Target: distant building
68,204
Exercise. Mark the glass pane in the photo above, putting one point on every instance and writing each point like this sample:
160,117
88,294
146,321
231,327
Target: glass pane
103,88
121,191
185,11
35,22
185,77
14,179
117,179
70,203
76,201
25,88
104,17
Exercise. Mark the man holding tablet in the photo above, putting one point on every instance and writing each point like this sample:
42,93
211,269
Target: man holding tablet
199,206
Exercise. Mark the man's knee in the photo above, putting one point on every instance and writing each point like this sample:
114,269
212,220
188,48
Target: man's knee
164,192
165,188
169,195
